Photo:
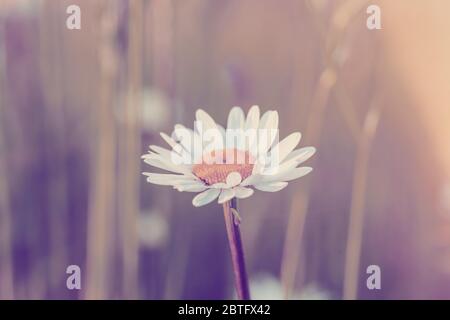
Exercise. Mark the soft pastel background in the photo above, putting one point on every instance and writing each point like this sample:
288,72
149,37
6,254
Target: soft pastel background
78,108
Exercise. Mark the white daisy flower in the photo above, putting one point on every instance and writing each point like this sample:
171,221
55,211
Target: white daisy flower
228,163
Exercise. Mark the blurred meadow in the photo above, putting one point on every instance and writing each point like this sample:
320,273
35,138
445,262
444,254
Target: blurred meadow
79,107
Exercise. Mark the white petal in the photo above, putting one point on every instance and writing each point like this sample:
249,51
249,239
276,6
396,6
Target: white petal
280,169
190,183
292,161
166,179
190,141
271,187
163,152
251,130
301,155
233,179
289,174
212,140
267,131
297,173
205,120
158,162
168,156
257,168
251,180
222,132
172,143
220,185
264,118
252,120
187,137
205,197
226,195
191,187
208,131
242,193
282,149
236,119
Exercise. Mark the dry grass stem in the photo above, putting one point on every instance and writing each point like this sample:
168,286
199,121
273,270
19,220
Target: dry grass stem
6,264
130,156
51,70
102,196
356,220
326,83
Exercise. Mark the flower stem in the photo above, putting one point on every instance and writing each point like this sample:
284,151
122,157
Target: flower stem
237,251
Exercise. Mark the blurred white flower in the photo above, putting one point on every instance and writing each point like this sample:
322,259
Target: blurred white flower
155,109
314,292
267,287
222,167
18,7
153,229
341,54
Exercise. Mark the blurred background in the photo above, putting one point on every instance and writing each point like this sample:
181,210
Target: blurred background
79,107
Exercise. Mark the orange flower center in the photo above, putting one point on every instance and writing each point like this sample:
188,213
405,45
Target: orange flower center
215,167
